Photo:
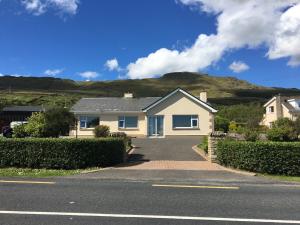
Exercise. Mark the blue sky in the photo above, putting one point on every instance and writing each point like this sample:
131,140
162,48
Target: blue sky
105,40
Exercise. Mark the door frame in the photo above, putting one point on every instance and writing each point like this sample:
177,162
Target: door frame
163,127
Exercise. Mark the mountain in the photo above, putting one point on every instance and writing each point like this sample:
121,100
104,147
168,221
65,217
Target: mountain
49,91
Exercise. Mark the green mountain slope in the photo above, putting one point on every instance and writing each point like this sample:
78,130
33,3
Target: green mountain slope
49,91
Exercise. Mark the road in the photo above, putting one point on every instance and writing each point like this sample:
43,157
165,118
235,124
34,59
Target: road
97,201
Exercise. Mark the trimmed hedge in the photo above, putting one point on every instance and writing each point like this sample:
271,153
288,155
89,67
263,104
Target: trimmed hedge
264,157
58,153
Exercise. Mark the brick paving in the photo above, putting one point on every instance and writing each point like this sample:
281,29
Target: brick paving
170,165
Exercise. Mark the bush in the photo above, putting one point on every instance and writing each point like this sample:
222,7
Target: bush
283,129
221,124
58,153
19,131
233,127
123,135
36,125
204,144
101,131
58,122
251,135
264,157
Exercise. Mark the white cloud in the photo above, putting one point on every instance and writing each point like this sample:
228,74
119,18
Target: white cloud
112,64
34,6
38,7
248,23
1,74
238,66
53,72
89,74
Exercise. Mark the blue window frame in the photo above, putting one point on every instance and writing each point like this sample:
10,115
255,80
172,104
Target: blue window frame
88,121
128,122
185,121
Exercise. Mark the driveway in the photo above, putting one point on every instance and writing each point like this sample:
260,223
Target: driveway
170,148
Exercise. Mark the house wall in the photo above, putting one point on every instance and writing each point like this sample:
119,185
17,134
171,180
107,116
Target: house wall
270,117
111,120
179,104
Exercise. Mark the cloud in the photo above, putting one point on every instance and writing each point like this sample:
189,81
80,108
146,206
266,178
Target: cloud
238,66
1,74
89,74
112,65
53,72
274,25
39,7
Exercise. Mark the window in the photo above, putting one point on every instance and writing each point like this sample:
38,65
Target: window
185,121
271,109
128,122
88,121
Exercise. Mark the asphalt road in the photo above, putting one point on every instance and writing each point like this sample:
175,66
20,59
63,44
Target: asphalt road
97,201
170,148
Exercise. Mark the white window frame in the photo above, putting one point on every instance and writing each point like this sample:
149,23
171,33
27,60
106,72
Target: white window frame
123,119
270,109
193,118
85,120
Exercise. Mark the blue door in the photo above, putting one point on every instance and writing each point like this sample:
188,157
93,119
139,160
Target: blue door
155,126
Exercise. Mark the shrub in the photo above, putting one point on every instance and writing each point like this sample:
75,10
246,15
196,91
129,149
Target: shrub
123,135
36,125
233,126
251,135
283,130
264,157
101,131
58,153
58,122
19,131
204,144
221,124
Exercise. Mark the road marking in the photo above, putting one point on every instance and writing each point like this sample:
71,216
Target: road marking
195,186
26,182
195,218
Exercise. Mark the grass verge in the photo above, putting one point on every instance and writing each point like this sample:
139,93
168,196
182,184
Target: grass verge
281,177
26,172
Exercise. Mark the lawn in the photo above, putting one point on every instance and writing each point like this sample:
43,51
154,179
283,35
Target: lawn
26,172
281,177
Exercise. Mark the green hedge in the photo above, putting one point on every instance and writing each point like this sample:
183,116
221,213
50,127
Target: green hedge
61,153
264,157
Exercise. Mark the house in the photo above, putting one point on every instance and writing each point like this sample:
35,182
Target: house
279,107
177,113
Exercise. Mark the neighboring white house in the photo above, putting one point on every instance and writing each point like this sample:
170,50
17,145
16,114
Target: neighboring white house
177,113
279,107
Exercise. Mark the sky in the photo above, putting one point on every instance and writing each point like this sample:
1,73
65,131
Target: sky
253,40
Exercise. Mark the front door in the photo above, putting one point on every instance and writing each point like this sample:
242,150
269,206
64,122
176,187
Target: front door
155,125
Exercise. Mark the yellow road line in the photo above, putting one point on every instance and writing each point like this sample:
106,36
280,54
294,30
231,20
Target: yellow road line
195,186
26,182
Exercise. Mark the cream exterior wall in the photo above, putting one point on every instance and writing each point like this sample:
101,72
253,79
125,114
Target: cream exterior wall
270,117
179,104
112,121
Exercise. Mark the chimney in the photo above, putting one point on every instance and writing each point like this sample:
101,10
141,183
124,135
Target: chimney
128,95
203,96
278,106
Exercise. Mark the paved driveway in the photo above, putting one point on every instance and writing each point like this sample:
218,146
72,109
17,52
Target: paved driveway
170,148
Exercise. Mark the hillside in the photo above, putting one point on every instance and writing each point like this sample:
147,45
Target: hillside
49,91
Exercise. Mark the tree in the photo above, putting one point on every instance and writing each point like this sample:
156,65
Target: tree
58,121
36,125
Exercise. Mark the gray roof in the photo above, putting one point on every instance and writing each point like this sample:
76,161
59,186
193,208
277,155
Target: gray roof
112,104
26,108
